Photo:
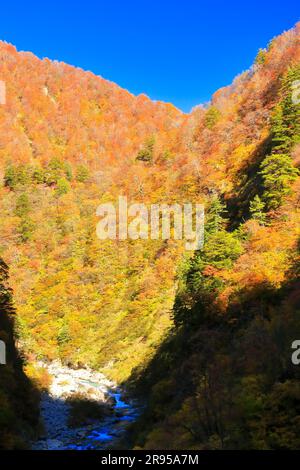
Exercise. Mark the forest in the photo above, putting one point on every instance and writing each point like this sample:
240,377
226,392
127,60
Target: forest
202,337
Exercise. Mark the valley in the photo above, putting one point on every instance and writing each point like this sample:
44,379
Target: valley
140,340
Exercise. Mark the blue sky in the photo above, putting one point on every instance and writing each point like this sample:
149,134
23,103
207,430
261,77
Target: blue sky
177,51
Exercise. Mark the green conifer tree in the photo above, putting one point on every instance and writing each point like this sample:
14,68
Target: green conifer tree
257,210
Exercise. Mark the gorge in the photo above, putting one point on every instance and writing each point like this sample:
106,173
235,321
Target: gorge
149,342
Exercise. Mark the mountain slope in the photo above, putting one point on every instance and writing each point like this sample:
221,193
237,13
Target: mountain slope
55,110
69,142
224,377
180,325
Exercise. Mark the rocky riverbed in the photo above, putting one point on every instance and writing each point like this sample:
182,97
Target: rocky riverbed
68,383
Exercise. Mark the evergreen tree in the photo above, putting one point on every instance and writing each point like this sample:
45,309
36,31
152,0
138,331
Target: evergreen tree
63,187
286,119
25,229
215,215
23,174
278,173
22,206
16,175
54,171
38,175
257,208
277,169
82,174
10,177
146,153
68,171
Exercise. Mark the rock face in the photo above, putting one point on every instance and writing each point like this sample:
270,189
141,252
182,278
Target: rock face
55,409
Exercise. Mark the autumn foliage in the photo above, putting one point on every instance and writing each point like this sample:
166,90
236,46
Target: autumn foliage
144,310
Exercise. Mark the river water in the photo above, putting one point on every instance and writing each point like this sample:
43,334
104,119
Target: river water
103,434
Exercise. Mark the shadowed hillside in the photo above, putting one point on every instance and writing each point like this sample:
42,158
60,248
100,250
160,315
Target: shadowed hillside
18,397
225,380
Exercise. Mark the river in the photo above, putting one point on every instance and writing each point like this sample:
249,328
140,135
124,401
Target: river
55,411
